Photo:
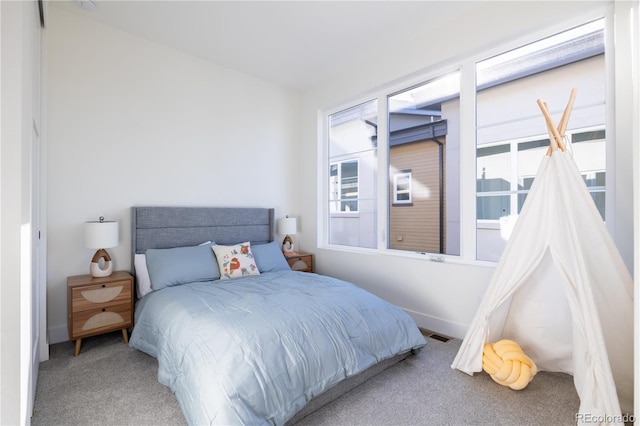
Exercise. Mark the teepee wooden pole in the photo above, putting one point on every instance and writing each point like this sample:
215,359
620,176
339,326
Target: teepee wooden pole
558,140
562,126
556,136
553,144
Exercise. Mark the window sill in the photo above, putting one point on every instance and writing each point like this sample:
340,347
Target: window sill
414,255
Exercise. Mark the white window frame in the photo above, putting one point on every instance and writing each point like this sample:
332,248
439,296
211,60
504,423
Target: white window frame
466,66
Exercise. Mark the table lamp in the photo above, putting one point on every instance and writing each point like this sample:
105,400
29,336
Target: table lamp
101,235
287,226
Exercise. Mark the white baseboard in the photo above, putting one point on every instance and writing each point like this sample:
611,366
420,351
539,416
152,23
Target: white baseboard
438,325
58,334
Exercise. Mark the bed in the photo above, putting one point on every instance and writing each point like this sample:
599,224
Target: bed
239,337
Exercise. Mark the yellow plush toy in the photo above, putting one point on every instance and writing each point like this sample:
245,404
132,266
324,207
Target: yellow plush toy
507,365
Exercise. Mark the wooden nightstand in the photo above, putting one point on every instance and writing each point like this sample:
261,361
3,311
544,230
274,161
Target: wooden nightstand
99,305
300,261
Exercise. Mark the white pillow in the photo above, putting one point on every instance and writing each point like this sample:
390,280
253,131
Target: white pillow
235,261
143,282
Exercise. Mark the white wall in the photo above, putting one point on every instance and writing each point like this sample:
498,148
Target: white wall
135,123
151,122
10,211
20,49
442,296
634,111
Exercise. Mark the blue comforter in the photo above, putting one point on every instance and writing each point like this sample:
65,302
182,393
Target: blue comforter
255,350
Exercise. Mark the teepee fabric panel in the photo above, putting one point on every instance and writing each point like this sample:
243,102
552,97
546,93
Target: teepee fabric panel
562,291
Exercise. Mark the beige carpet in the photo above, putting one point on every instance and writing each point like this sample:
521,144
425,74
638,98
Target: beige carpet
111,384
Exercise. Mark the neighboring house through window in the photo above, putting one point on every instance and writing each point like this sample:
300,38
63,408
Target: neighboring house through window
423,136
352,167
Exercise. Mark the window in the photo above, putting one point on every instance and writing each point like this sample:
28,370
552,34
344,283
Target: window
352,176
402,188
493,183
419,198
511,135
423,137
589,152
504,191
344,186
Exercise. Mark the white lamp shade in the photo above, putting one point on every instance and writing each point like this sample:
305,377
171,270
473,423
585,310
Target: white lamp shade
287,226
100,235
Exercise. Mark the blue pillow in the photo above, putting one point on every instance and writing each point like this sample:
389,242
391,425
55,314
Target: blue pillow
269,257
181,265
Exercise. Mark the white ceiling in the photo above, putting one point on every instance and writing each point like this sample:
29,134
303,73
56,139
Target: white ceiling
295,44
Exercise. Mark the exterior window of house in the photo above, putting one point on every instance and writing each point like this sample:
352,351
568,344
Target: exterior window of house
493,184
343,184
424,138
511,133
402,188
589,150
352,176
504,192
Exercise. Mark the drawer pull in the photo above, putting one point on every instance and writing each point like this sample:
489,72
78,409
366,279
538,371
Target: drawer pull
104,309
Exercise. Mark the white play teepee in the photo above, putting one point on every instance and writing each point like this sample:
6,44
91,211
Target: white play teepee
561,290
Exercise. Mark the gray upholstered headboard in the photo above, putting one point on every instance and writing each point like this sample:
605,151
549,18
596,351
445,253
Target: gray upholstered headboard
166,227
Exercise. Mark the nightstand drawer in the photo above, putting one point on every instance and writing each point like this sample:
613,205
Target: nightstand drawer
300,262
103,319
101,295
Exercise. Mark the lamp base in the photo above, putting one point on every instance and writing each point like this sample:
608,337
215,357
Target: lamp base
287,244
96,269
